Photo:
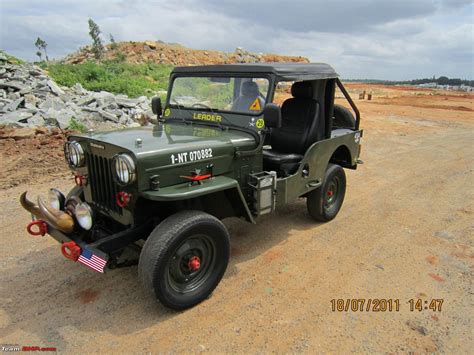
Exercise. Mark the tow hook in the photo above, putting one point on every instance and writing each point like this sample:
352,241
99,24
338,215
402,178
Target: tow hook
71,250
40,228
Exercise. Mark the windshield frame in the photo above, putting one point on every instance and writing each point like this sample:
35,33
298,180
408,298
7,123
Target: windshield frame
268,98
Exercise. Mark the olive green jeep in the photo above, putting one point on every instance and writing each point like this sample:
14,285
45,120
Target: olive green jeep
220,148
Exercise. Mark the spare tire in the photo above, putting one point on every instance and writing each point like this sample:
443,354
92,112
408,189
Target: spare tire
343,118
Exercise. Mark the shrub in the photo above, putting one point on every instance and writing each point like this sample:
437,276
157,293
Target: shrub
114,76
75,125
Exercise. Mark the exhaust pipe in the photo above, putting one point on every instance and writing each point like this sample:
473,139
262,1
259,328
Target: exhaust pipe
58,219
30,206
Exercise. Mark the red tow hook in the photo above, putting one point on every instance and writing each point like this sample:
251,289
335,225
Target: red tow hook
80,180
71,250
41,228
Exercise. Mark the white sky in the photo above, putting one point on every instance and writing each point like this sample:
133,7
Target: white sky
377,39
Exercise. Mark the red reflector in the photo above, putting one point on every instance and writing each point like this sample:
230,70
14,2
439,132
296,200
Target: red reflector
197,177
122,199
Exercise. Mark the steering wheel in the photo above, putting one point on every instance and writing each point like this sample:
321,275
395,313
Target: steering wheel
198,104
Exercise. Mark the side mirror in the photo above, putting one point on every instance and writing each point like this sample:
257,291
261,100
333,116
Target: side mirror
272,115
156,106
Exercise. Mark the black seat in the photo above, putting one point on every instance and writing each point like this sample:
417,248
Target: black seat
300,116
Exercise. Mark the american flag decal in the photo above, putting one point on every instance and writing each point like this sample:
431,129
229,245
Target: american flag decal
91,260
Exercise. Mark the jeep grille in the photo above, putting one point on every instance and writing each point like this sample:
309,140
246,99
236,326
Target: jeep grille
103,188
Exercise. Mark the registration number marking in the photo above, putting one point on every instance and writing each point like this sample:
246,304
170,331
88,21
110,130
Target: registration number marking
193,155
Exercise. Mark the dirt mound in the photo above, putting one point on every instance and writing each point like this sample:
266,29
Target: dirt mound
175,54
31,155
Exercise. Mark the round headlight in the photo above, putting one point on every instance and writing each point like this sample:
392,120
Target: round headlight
83,215
125,171
56,199
74,154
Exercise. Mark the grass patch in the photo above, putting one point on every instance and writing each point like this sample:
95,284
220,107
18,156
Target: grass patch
114,76
76,126
11,59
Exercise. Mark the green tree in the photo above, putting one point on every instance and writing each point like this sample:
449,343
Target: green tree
443,80
39,54
113,44
41,45
97,44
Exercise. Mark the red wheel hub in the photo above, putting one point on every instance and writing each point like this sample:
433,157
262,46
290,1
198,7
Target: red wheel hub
194,263
330,193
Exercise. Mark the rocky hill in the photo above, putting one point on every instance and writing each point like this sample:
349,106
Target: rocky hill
175,54
30,98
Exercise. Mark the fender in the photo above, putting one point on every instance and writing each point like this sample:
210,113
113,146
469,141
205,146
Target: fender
187,191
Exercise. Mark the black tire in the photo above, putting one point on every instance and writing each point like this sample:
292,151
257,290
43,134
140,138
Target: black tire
325,202
343,118
184,258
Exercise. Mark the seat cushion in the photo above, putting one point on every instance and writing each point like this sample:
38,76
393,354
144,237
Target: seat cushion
284,164
280,158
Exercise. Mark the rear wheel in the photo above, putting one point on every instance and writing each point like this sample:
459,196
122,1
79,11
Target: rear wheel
325,202
184,258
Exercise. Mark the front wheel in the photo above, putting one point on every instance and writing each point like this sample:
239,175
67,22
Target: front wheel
184,258
325,202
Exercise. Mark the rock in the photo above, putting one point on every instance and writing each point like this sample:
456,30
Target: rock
21,133
61,118
25,90
55,89
12,84
14,117
150,44
13,96
66,97
108,116
12,106
52,104
35,72
30,99
36,121
78,89
104,101
41,130
86,101
127,102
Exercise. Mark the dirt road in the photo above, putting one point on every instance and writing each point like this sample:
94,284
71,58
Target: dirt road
405,232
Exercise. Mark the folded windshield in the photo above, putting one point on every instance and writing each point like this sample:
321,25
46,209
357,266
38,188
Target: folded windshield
232,94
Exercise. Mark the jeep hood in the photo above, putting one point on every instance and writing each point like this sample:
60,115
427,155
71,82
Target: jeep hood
170,150
172,137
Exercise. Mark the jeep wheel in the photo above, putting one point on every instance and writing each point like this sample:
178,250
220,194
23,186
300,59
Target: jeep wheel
184,258
325,202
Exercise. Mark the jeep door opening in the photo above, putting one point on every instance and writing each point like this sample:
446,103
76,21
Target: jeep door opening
221,148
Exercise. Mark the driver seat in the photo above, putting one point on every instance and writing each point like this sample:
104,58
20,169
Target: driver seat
299,129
